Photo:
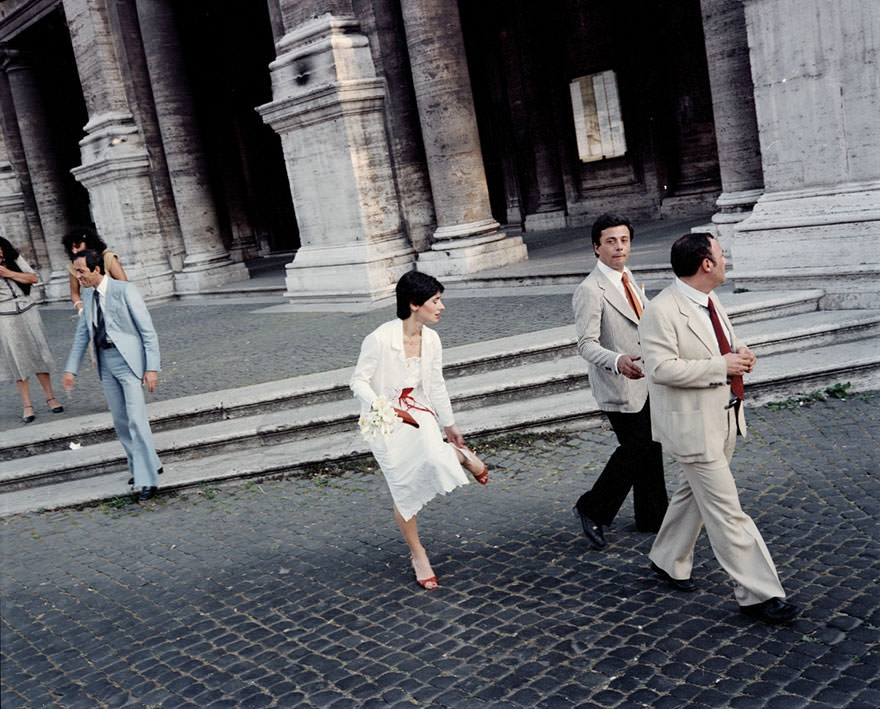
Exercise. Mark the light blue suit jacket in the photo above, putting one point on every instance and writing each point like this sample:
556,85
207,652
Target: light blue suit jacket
128,325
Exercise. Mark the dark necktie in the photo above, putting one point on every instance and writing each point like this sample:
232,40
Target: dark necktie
633,299
736,380
100,334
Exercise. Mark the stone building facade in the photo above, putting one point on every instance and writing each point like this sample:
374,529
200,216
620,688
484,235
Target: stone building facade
364,138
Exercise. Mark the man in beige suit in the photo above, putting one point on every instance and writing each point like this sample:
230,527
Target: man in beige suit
694,364
607,308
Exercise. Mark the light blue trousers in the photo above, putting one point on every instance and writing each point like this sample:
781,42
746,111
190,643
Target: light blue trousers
125,395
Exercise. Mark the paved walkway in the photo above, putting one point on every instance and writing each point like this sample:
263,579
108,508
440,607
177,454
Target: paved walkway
298,593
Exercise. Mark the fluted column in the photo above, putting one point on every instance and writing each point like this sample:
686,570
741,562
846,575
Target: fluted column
467,238
817,100
733,105
206,262
43,169
115,165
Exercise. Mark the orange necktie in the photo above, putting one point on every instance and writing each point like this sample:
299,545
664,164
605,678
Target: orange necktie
633,299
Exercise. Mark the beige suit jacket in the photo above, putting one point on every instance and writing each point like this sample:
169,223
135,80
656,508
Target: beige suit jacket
607,327
687,377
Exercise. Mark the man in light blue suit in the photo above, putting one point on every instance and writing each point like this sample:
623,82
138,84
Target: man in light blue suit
116,321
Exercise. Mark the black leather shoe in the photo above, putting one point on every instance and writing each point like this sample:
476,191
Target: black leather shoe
773,610
144,494
28,419
592,530
158,472
685,585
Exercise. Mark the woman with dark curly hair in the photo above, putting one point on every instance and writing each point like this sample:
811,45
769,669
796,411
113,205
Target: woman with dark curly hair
23,345
81,238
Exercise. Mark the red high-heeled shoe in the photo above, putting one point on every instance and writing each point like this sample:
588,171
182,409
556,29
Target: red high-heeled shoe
483,476
428,584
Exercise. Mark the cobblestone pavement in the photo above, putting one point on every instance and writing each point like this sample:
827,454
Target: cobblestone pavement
297,592
211,346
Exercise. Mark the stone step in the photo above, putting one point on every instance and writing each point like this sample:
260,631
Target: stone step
568,410
561,370
256,437
809,329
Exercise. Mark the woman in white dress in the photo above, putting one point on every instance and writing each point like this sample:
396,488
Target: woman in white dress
402,362
24,349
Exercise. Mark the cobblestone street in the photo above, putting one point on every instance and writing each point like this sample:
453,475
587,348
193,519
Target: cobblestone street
298,592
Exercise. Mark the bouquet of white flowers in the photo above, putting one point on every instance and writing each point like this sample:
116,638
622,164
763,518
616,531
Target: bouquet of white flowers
380,419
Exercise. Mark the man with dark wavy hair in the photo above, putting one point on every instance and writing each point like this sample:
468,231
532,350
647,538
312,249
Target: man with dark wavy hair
607,307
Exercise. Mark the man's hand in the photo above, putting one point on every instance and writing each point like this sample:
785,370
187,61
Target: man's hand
151,378
68,380
627,366
738,363
453,435
748,353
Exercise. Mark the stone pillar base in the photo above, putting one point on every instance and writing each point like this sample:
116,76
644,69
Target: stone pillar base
348,277
733,207
463,256
545,221
814,239
198,277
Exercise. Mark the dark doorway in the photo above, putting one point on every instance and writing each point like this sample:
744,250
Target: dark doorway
46,49
227,49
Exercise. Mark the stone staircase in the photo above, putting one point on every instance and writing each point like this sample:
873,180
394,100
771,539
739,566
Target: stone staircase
533,382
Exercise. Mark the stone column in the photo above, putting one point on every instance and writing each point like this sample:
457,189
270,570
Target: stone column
733,105
817,98
115,166
328,108
467,238
13,224
43,169
206,263
19,205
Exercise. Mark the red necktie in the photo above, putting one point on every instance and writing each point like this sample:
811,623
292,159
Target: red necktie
736,380
633,299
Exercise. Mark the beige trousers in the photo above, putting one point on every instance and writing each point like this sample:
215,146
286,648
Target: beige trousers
707,495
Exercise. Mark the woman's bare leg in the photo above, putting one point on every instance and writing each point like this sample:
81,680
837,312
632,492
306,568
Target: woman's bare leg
410,530
24,391
46,382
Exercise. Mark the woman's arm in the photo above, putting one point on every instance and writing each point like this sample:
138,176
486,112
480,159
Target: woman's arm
116,272
19,276
74,292
361,380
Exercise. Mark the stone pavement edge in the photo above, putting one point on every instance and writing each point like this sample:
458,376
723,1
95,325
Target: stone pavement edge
297,592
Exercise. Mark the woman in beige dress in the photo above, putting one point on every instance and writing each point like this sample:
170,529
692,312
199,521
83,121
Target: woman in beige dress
24,349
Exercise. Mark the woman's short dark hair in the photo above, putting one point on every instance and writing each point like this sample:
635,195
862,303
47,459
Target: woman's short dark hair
86,234
93,259
415,287
606,221
689,251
